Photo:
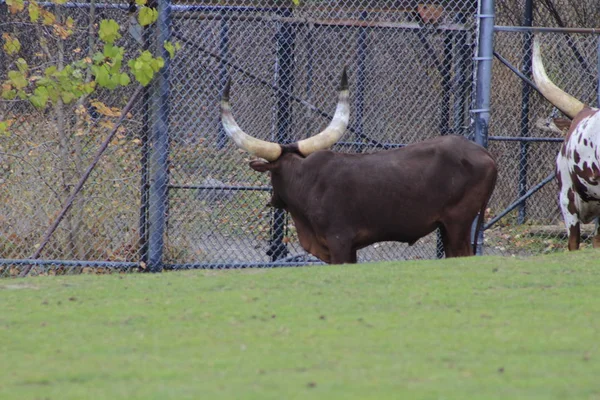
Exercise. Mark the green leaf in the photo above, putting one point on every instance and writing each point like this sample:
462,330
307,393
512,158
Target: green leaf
52,93
50,70
124,79
98,58
3,127
39,98
22,65
296,2
17,79
9,94
109,31
111,51
34,11
147,16
67,97
11,44
101,75
169,48
88,88
144,67
140,2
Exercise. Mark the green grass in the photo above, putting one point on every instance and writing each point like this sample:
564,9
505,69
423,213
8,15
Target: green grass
478,328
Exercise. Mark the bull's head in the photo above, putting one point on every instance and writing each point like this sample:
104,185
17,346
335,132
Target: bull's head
273,151
566,103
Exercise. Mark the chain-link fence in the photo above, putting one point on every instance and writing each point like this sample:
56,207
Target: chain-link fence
169,187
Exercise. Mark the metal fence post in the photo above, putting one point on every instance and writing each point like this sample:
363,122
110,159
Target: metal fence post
160,144
223,52
286,35
483,83
446,75
144,164
526,90
460,83
361,55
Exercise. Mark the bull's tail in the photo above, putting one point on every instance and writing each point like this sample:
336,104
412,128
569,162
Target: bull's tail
481,216
478,227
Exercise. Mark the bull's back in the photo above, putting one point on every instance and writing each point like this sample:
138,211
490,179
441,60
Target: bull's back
403,189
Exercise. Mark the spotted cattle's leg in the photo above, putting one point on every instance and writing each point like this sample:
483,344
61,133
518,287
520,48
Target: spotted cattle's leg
596,239
574,236
569,212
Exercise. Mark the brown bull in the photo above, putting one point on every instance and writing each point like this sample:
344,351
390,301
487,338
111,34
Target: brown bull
343,202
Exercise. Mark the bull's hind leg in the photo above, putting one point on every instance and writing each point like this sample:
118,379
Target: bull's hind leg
456,238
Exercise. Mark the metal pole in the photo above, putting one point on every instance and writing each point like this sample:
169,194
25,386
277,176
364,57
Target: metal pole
445,70
160,144
223,50
145,181
286,36
525,91
597,219
484,58
361,70
460,82
309,78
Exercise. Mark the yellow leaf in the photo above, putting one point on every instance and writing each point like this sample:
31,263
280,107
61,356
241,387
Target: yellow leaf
107,124
47,17
11,44
103,109
14,6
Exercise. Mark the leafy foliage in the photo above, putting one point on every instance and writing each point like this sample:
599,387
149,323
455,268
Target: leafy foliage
69,82
144,67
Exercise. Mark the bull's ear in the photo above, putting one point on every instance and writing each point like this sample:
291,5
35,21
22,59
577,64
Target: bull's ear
260,166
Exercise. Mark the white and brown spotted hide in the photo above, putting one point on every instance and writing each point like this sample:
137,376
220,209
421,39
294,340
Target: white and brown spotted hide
578,162
578,174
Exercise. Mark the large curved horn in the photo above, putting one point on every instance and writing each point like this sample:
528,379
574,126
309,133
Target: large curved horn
336,127
566,103
260,148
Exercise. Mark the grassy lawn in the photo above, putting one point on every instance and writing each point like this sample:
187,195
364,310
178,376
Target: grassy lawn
478,328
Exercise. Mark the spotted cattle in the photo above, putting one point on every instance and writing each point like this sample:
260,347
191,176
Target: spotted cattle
578,162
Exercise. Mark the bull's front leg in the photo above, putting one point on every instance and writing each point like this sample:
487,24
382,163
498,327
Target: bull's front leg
341,250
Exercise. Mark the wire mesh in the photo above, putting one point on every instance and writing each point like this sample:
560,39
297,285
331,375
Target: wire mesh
189,198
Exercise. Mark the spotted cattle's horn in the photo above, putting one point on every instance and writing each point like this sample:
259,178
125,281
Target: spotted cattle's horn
566,103
337,126
268,150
